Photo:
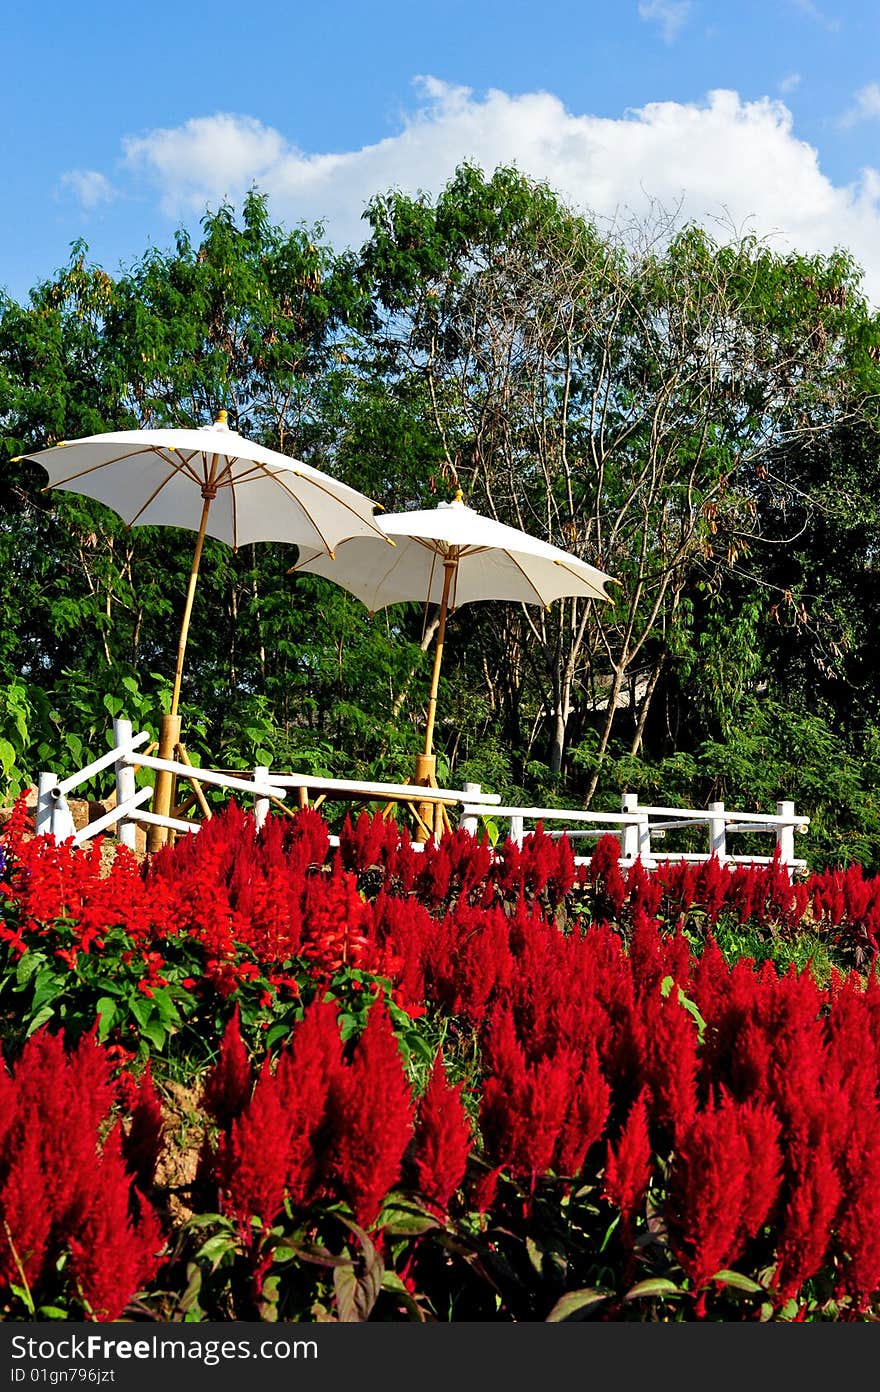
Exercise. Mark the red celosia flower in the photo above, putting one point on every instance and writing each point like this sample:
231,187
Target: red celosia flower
442,1138
713,1207
142,1140
813,1195
25,1213
252,1156
336,922
585,1118
228,1084
858,1237
372,1118
309,1069
111,1255
628,1167
525,1104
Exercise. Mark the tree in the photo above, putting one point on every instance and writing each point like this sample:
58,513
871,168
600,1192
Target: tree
252,318
622,395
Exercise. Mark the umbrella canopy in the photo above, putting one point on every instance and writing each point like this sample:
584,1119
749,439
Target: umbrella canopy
452,555
214,482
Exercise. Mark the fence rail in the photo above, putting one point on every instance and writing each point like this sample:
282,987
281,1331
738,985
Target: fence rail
638,827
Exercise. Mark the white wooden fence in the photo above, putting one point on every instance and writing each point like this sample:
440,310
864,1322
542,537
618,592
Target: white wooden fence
638,827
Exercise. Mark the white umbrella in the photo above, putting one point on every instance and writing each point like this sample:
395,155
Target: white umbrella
216,483
452,555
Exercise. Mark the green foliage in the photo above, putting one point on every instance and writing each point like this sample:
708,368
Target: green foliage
698,418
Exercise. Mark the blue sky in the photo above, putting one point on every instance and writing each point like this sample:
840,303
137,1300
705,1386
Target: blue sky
119,126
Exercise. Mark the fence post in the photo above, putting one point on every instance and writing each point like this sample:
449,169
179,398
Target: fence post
718,832
62,817
53,817
785,834
471,823
45,804
631,832
261,804
517,825
125,784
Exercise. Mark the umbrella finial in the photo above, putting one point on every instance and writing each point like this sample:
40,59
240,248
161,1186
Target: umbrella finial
459,496
221,417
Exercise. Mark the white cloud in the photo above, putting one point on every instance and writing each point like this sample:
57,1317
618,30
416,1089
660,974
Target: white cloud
866,106
208,157
789,83
722,158
669,14
88,187
812,11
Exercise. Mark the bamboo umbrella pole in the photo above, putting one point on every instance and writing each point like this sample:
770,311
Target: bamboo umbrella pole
209,494
449,566
169,726
426,762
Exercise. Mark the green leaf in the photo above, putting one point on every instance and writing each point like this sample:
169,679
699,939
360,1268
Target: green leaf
572,1302
739,1282
403,1220
27,965
40,1019
23,1294
658,1285
275,1033
284,1253
206,1220
356,1294
155,1032
216,1248
141,1008
165,1007
417,1044
535,1255
392,1282
106,1015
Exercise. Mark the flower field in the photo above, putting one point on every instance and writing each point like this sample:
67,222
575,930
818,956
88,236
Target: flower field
259,1079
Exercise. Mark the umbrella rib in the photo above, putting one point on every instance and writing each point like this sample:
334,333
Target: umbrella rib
585,579
106,464
299,502
511,556
175,470
434,554
336,499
